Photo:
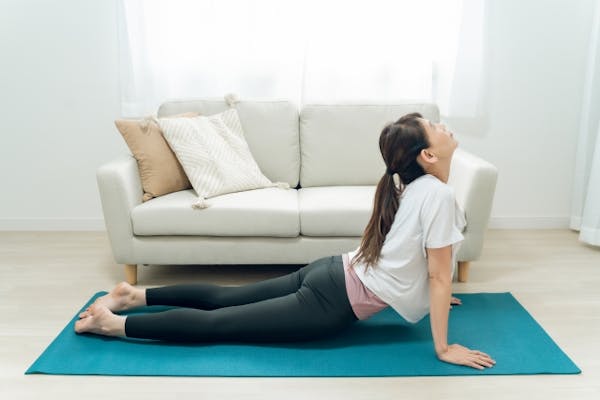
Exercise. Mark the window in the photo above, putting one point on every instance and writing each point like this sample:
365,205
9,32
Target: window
306,51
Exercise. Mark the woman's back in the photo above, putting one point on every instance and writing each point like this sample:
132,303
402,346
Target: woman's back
428,216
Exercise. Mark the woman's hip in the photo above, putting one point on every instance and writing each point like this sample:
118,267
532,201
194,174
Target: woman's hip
326,280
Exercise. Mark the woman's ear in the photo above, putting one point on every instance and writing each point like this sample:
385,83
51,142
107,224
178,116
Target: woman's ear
427,157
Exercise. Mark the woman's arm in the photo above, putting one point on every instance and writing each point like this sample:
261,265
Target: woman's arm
440,290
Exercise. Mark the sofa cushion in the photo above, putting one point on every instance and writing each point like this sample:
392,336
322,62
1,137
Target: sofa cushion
214,154
160,171
261,212
340,143
270,129
335,210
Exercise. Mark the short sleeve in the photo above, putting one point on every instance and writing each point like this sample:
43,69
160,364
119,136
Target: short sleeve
438,218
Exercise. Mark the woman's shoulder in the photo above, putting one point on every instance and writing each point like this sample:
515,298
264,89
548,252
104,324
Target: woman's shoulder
432,193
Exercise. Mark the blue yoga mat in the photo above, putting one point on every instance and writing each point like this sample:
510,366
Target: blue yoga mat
383,345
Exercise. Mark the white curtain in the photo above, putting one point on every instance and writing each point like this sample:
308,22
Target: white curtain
305,51
585,214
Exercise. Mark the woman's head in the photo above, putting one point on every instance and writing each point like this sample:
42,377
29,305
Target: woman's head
435,159
414,145
400,143
411,147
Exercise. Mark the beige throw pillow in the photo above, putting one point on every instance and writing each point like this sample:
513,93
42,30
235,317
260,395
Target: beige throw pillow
160,172
215,155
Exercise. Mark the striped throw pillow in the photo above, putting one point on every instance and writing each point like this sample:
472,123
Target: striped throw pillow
214,155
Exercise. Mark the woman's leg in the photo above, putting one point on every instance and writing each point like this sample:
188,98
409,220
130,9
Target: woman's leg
202,295
318,308
206,296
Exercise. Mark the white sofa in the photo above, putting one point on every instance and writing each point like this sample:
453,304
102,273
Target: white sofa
330,157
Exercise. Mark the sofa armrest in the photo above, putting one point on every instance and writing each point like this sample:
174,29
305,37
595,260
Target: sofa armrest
474,183
120,191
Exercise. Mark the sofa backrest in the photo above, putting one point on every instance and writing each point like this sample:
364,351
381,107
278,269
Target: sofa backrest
270,128
340,143
323,145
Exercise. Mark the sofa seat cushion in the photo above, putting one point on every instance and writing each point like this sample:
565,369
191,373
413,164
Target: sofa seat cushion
335,210
269,212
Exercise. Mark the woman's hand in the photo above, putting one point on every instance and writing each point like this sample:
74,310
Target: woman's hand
460,355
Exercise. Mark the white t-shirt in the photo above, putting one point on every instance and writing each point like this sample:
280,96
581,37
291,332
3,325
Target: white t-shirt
428,217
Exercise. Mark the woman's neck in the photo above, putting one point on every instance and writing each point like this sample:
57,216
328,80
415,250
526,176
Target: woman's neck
440,170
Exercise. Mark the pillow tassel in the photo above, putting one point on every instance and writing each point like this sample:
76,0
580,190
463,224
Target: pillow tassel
200,204
231,99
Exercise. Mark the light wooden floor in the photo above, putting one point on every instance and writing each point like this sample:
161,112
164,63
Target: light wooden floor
46,276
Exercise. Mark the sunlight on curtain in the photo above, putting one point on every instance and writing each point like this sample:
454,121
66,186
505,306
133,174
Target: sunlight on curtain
303,51
585,212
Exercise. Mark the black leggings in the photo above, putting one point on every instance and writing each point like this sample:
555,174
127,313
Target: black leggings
307,304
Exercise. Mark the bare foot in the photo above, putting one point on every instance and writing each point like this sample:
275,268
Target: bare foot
101,321
122,297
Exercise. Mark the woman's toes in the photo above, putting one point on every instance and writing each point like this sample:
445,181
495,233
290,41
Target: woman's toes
91,320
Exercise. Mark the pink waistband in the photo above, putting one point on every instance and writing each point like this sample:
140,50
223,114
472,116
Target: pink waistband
363,301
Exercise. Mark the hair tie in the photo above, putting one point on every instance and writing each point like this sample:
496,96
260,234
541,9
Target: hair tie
389,171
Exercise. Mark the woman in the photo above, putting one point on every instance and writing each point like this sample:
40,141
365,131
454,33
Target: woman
405,260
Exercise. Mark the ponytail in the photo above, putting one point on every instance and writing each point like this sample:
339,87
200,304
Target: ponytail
400,143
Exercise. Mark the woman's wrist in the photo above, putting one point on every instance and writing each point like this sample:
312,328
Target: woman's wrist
439,350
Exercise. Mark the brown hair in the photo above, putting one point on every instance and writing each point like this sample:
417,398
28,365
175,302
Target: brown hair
400,143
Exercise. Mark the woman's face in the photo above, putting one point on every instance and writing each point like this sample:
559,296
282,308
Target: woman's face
441,140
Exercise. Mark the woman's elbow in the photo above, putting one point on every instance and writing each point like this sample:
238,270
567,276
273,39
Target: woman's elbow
440,279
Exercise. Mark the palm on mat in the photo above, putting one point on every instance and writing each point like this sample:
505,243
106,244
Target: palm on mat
455,301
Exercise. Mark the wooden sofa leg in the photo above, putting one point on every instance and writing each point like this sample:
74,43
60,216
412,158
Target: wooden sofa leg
463,271
131,273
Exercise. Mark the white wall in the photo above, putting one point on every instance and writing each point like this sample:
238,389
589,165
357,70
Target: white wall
537,59
59,96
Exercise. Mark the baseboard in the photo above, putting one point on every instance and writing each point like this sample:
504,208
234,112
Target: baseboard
97,224
529,222
52,224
